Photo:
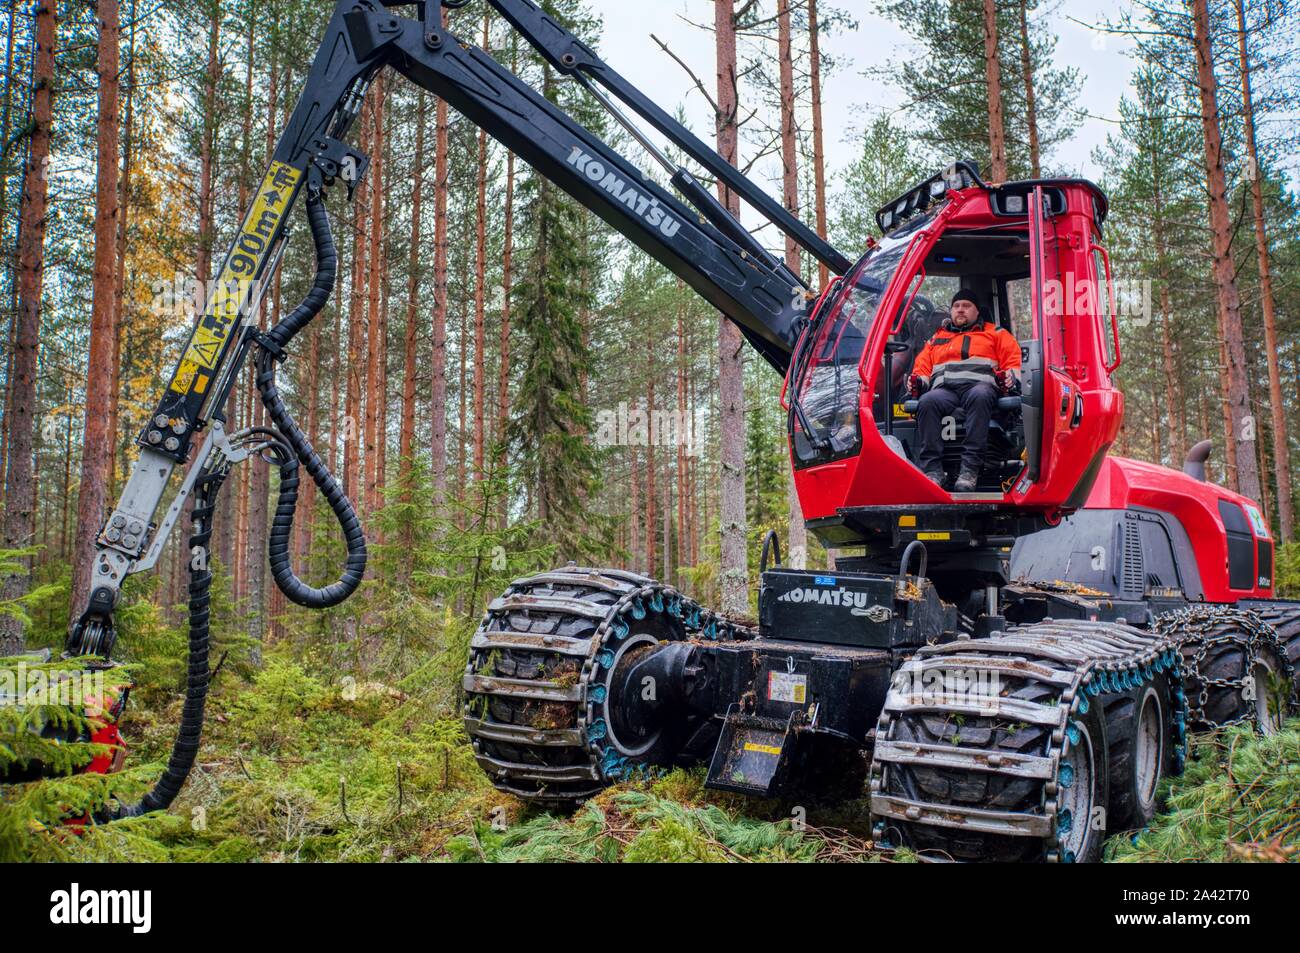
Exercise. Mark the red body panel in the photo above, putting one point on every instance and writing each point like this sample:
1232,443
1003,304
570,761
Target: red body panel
1125,483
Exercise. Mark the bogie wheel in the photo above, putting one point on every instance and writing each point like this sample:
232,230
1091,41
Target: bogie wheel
1140,731
998,749
1073,798
1283,617
538,681
1269,688
1084,789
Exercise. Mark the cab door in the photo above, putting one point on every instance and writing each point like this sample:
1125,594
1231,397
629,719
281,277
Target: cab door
1044,343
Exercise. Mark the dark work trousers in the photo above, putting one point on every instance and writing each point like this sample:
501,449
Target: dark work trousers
935,405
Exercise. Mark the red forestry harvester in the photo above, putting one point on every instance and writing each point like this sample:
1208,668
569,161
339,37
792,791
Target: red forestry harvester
1008,669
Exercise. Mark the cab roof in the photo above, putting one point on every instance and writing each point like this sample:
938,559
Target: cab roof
1007,199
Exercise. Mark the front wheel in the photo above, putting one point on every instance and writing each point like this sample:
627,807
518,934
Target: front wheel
540,706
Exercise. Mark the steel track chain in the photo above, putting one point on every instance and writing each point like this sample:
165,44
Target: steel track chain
1073,662
535,683
1198,630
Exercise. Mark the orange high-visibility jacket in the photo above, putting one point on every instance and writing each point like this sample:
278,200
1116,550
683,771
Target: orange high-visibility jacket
974,355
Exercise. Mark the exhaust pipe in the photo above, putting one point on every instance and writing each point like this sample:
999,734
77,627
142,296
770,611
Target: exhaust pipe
1194,465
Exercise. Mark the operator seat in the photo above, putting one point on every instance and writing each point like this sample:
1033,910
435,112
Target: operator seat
1002,455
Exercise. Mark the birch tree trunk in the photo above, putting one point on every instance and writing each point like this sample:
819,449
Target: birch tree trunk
734,576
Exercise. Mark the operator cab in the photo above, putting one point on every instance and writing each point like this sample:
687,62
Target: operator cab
993,265
1031,253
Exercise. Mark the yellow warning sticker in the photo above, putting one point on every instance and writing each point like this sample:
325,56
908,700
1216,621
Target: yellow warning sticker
934,535
235,283
787,687
907,521
762,749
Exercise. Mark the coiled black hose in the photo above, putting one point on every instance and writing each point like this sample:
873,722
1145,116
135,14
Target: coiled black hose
279,337
287,445
186,746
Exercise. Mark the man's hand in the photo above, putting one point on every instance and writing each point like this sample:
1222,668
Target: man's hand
1007,383
915,386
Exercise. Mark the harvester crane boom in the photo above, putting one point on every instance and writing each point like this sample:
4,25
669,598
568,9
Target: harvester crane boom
693,236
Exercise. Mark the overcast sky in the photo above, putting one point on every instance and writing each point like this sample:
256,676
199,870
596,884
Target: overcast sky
850,98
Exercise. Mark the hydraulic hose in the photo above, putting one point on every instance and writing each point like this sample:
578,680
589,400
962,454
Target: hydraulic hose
186,746
272,345
284,446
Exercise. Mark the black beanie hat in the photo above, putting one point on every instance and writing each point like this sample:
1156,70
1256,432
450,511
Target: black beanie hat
964,295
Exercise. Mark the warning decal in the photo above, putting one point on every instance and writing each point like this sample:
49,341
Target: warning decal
234,286
787,687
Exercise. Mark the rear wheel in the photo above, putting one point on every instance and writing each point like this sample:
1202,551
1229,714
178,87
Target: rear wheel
1283,617
1236,669
1138,729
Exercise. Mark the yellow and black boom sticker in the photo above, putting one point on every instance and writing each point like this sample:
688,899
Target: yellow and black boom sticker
234,285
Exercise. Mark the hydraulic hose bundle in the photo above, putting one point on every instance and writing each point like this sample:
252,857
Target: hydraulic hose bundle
186,746
272,349
286,446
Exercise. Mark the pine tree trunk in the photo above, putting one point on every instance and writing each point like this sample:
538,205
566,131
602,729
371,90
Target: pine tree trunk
1281,449
1173,383
507,288
651,435
203,258
1031,104
480,287
228,522
462,421
6,118
1238,392
634,512
119,294
682,435
734,575
373,399
304,518
352,423
406,443
993,77
438,440
819,153
97,447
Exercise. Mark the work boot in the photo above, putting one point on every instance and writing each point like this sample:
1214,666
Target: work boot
966,481
936,476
